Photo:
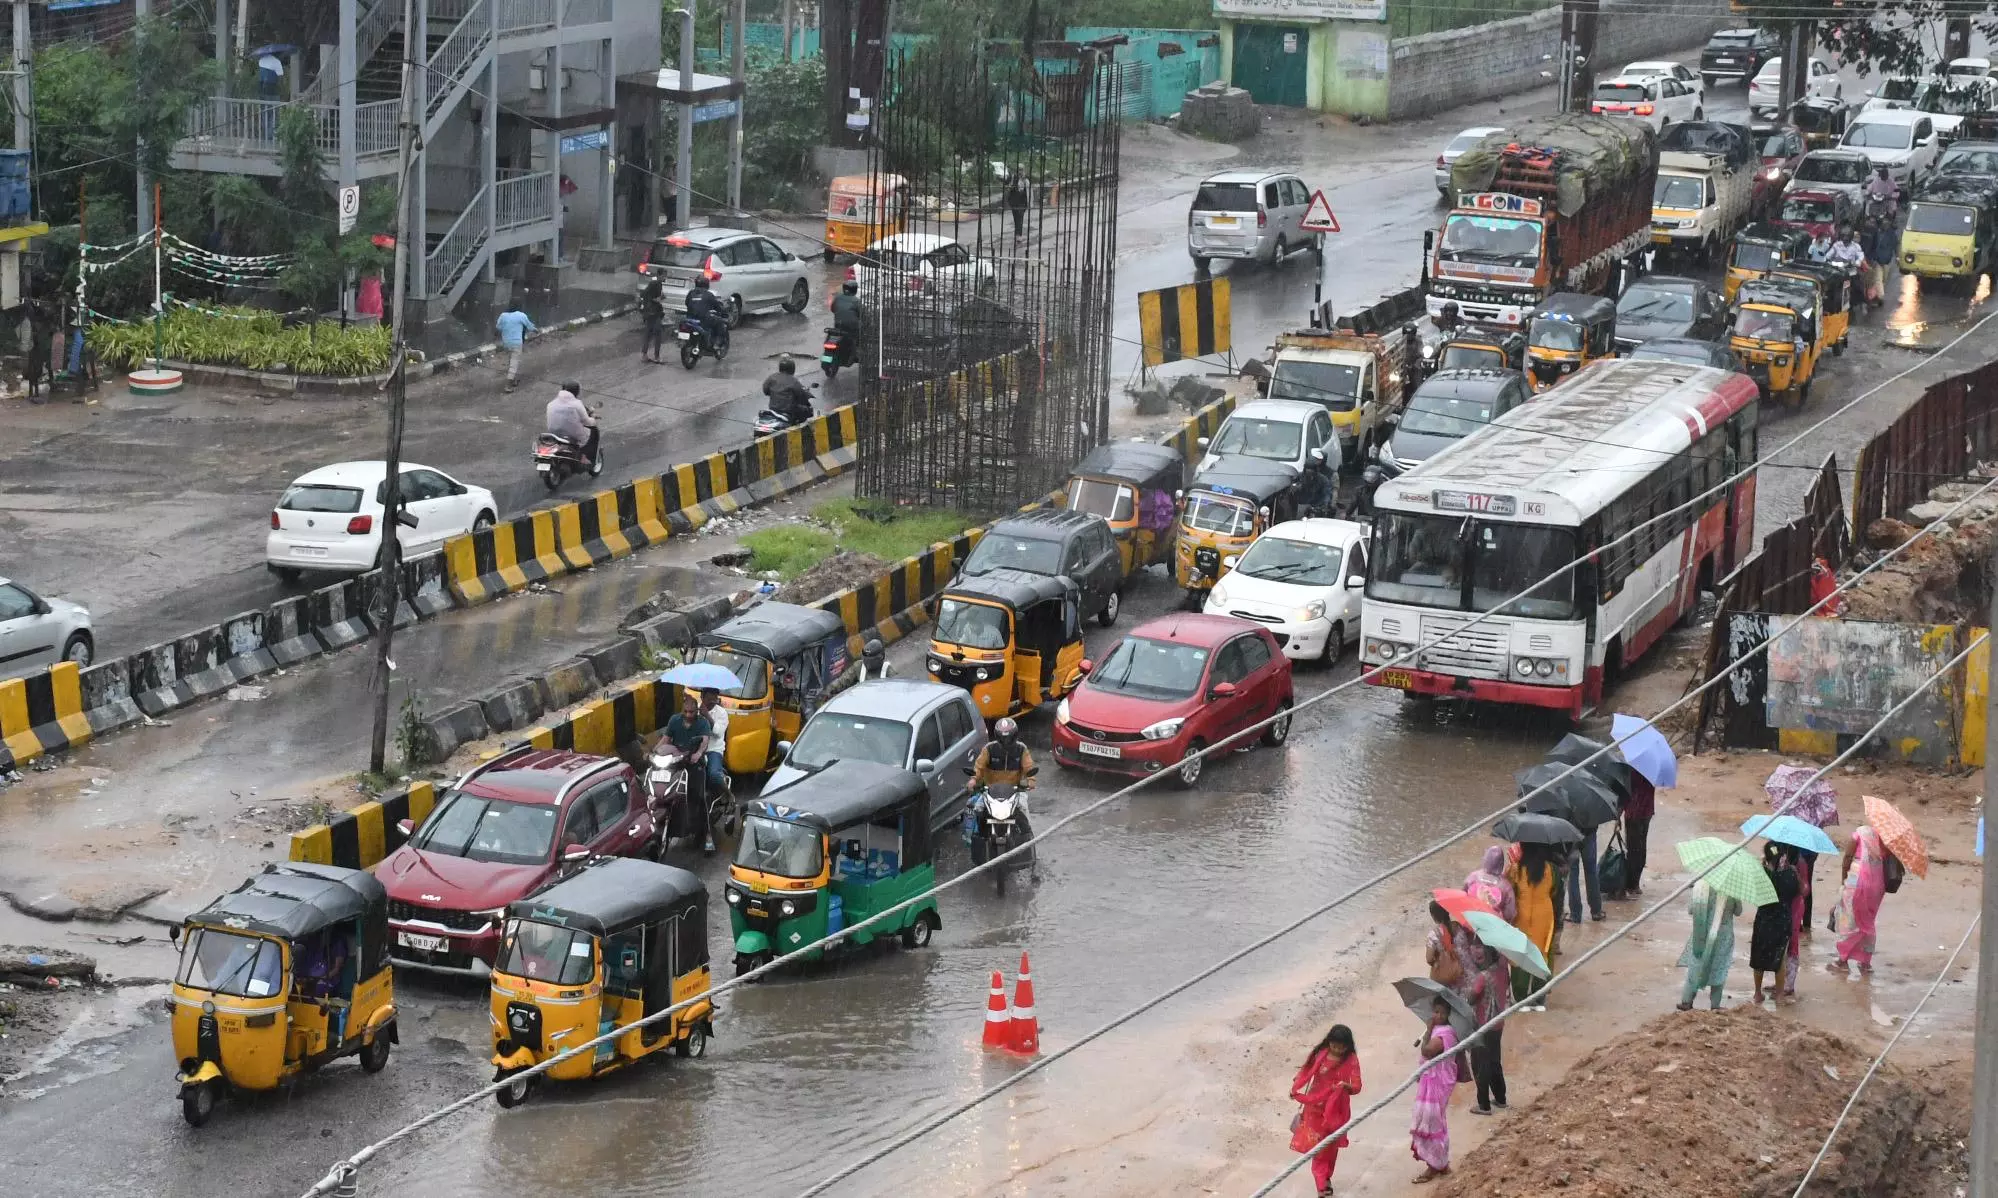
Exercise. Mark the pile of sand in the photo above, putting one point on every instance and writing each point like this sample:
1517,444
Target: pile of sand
1734,1102
1938,579
842,571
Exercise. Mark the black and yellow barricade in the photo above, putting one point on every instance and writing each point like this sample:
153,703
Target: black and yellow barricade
41,713
361,837
1203,423
1188,321
504,558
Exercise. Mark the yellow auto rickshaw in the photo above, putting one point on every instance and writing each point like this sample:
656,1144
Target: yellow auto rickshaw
1482,349
1949,231
1228,506
862,209
1776,334
786,658
1013,639
1821,119
618,940
1836,286
281,975
1566,333
1131,484
1758,249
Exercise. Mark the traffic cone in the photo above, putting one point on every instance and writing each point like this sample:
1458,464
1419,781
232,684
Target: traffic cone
1026,1027
998,1021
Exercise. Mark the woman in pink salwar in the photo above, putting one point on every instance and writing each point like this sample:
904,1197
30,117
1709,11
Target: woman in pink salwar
1865,871
1429,1127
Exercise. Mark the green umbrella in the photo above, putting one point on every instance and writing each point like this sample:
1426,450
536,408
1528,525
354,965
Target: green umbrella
1738,876
1511,943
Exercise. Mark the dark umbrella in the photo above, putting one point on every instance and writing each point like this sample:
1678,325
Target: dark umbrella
1523,827
1608,768
1418,993
1579,798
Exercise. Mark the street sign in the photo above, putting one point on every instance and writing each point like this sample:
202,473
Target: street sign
1318,216
350,208
720,110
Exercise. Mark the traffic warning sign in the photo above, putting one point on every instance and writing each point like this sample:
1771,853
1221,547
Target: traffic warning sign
1318,216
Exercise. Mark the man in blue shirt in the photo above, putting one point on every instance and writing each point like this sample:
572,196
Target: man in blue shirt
514,326
687,731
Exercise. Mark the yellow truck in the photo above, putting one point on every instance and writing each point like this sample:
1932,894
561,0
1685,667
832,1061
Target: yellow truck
1360,378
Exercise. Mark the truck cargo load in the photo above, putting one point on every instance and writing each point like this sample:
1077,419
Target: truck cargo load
1588,156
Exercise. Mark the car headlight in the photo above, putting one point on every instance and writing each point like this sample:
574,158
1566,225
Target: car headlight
494,913
1310,611
1218,597
787,907
735,898
1164,729
1061,712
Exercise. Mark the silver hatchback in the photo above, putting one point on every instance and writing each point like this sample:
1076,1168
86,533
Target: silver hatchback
928,728
36,632
1249,214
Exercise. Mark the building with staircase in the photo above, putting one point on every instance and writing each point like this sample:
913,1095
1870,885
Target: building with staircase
523,121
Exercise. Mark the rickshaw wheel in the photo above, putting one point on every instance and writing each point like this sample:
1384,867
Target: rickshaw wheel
375,1053
198,1104
917,935
511,1096
693,1044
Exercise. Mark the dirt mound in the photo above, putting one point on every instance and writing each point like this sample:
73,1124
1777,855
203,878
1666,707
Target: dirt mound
837,573
1734,1102
1938,579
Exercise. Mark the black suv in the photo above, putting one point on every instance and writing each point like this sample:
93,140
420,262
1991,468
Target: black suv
1737,54
1668,306
1077,544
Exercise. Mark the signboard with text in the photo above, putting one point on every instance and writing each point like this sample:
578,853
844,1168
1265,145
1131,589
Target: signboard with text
1303,10
1499,201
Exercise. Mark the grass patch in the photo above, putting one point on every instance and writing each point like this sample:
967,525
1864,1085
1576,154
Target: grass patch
852,525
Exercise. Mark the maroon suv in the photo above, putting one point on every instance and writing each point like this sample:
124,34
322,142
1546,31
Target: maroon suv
503,831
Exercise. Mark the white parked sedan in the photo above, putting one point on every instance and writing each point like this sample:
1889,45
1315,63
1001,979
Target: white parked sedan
1303,579
1765,91
920,263
330,520
36,632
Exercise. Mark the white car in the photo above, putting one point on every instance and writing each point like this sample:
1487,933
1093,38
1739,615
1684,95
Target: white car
751,273
330,520
1290,431
1655,100
1969,66
920,263
1669,70
1455,150
36,632
1302,579
1900,139
1765,91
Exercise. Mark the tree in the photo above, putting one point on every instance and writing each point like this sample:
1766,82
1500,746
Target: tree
1890,36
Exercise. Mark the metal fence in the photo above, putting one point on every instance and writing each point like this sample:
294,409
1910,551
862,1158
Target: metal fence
1942,435
522,199
985,369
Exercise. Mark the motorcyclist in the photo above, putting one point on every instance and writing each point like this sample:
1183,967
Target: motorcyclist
689,731
874,661
1004,759
1883,191
1317,490
570,420
1821,245
846,310
1847,251
788,397
1447,320
705,306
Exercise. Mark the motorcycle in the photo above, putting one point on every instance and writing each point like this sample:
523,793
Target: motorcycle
995,822
667,786
694,342
839,350
556,459
1378,471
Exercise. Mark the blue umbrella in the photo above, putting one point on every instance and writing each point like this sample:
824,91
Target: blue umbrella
697,675
1646,749
1788,829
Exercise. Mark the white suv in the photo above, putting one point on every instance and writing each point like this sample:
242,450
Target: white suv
1656,100
1249,214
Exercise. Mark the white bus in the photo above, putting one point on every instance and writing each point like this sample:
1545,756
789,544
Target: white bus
1548,484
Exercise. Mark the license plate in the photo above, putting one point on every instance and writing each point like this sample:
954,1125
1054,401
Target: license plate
429,944
1400,678
685,335
1222,222
1658,238
308,551
1089,750
1723,62
678,280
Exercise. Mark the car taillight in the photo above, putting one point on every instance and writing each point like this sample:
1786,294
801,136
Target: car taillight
645,268
361,525
274,518
708,270
1262,218
1644,110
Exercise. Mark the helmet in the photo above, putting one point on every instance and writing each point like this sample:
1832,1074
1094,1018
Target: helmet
786,366
573,388
850,287
872,649
700,282
1006,729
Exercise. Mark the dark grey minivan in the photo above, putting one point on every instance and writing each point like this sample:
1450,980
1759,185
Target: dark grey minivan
1449,406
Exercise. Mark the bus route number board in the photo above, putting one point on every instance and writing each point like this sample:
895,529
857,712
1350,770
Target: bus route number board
1473,501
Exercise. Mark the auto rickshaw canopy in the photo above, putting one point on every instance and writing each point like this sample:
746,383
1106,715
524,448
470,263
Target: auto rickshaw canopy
612,895
1784,244
1777,291
853,197
1015,589
1573,305
1834,282
776,630
1510,346
843,794
1256,479
291,900
1821,115
1146,465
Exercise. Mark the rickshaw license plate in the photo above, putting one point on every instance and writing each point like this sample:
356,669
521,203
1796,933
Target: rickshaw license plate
1089,750
429,944
1400,678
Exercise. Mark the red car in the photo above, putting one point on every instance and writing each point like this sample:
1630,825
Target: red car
501,833
1782,148
1175,685
1818,213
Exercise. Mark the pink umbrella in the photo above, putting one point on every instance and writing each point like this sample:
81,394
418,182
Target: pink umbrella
1816,803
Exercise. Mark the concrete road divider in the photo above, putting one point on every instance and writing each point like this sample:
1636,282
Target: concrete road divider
615,659
1203,423
565,682
361,837
677,629
423,584
288,631
458,724
335,614
199,665
511,706
107,697
42,713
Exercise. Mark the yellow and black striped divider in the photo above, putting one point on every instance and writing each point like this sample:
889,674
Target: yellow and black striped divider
41,713
1191,320
1203,423
360,837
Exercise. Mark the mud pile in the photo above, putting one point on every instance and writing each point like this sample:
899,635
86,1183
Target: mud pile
839,572
1939,579
1734,1102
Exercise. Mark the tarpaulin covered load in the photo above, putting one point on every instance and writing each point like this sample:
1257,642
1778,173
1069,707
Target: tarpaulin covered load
1734,143
1586,154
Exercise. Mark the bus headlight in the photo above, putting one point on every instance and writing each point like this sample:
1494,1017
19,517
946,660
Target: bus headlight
1544,668
1523,667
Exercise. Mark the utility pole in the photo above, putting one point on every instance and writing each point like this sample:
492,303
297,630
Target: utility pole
391,555
23,66
1984,1070
683,150
143,10
738,66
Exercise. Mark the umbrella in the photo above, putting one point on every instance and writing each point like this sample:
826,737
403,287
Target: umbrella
278,49
1898,835
698,675
1511,943
1788,829
1737,875
1459,904
1523,827
1573,749
1646,749
1817,802
1418,993
1580,798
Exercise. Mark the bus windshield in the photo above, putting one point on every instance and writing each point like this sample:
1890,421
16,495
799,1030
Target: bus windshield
1427,560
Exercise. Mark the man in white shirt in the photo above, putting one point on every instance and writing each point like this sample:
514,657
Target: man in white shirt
717,713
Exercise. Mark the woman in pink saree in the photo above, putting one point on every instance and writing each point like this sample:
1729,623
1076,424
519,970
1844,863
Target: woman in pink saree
1865,874
1429,1126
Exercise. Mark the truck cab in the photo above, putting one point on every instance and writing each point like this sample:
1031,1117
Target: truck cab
1687,212
1352,376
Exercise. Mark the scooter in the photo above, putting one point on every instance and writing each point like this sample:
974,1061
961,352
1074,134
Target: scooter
770,420
557,458
667,787
839,350
694,342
